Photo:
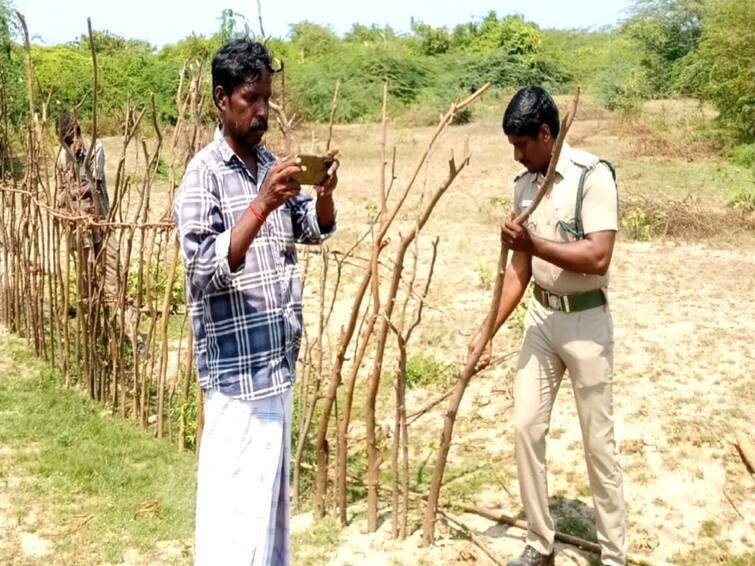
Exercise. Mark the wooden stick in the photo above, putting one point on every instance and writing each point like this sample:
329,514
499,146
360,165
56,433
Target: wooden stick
90,155
188,379
383,160
473,537
333,110
165,318
502,518
286,126
745,449
373,382
263,37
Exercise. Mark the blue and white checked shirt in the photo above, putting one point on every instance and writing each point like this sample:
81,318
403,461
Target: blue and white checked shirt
247,323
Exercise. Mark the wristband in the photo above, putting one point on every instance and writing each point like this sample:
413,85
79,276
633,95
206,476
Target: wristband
257,214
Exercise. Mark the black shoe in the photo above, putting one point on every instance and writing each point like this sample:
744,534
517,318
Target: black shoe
531,557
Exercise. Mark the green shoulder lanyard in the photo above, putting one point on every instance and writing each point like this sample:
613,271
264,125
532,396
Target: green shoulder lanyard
576,230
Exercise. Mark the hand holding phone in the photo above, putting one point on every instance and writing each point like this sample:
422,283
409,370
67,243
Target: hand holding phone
314,169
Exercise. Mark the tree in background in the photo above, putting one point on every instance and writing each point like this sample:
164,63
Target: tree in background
108,43
700,48
668,32
727,57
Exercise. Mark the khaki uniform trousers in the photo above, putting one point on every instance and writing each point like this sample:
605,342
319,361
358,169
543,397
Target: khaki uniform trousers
581,342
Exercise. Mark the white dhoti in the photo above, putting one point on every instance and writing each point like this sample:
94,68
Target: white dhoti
243,482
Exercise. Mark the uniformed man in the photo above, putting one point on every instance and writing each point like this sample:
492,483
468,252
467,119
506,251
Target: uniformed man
566,247
83,190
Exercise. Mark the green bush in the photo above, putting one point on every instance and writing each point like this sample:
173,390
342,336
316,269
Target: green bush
179,409
636,225
503,69
511,34
727,52
430,40
157,283
362,71
743,201
484,276
744,155
463,116
622,91
424,369
667,32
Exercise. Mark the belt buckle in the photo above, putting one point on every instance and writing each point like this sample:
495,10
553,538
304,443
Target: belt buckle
554,302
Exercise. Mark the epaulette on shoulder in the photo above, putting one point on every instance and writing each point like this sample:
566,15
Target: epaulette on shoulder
584,159
521,174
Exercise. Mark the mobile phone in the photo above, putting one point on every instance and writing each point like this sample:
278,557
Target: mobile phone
315,169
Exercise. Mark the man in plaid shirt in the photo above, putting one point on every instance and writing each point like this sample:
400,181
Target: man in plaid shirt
239,215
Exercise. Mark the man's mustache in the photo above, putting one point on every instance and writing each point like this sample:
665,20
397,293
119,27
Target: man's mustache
260,126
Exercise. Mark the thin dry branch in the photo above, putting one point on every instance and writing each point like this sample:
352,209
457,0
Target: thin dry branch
333,111
469,532
286,126
502,518
263,37
347,332
745,449
90,154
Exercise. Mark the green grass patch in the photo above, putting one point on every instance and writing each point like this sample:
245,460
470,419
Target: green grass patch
573,517
316,546
713,182
713,553
423,370
73,461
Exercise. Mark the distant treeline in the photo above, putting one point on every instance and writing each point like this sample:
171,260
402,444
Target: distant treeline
700,48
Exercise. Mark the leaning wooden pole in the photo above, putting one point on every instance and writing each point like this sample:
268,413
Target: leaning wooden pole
504,519
165,317
428,524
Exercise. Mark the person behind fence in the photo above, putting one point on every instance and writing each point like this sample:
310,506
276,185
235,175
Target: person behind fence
566,248
239,214
83,191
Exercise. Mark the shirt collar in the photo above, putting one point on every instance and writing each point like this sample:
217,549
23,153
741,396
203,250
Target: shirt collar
264,157
225,150
563,160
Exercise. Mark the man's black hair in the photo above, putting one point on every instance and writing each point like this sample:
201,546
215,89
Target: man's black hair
239,61
531,107
67,125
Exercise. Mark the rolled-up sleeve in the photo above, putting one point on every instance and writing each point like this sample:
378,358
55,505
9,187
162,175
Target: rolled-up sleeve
304,219
205,241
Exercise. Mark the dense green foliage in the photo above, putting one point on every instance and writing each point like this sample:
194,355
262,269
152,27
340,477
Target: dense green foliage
426,69
701,48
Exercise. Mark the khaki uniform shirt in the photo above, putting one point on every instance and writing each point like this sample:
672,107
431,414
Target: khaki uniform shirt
78,190
599,212
68,176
